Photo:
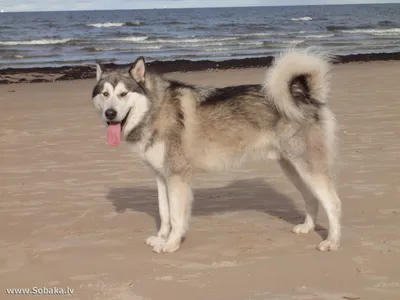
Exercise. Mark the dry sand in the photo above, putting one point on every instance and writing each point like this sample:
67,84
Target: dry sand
75,212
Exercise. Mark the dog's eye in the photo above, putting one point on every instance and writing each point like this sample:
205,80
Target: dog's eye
105,94
122,95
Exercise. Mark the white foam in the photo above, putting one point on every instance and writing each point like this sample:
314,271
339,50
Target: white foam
35,42
260,34
205,44
217,49
113,24
240,46
148,47
302,19
108,24
390,31
319,36
251,43
293,42
216,43
137,23
132,39
191,40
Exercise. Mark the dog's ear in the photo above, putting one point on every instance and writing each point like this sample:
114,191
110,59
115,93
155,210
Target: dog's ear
138,70
99,71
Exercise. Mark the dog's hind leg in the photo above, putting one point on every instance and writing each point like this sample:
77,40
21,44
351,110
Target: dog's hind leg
322,187
180,198
310,200
163,208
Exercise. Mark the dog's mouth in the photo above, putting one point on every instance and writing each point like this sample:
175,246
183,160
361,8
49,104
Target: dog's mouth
114,131
120,124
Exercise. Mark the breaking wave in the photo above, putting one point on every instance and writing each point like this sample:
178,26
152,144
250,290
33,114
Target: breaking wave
188,40
294,42
110,24
259,34
302,19
148,47
35,42
131,39
99,49
390,31
319,36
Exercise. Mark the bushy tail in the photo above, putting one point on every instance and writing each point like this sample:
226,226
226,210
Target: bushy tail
296,78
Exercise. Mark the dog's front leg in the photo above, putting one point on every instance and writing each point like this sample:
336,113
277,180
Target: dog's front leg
163,208
180,198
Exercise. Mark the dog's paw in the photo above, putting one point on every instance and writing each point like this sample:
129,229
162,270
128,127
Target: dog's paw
166,247
153,241
302,229
328,245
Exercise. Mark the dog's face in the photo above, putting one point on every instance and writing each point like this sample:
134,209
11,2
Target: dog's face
120,98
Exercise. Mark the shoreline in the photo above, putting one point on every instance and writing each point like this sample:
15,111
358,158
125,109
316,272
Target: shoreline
52,74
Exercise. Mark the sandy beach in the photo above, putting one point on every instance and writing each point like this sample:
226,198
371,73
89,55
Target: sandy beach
74,213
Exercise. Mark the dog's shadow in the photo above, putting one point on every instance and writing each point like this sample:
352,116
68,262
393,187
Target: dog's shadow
241,195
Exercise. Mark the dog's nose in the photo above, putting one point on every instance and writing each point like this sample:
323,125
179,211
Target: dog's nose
110,114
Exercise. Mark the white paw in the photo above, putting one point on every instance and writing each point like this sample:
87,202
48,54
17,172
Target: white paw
166,247
302,228
328,245
154,240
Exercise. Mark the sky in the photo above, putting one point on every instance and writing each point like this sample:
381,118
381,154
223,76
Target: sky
54,5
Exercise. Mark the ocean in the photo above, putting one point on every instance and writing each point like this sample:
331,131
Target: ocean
52,39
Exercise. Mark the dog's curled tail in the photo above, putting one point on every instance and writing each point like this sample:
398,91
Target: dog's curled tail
296,78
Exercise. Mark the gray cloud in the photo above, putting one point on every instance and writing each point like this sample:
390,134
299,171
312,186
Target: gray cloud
46,5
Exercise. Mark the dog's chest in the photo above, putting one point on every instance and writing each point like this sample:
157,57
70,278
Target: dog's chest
153,155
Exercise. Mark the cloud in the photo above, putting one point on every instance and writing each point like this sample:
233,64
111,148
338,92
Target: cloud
51,5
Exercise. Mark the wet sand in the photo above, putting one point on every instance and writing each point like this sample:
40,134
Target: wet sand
75,213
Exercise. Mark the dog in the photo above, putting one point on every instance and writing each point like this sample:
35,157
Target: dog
179,128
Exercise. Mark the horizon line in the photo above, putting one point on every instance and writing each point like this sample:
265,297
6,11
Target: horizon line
166,8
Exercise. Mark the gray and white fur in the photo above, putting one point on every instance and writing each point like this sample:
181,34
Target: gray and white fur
180,128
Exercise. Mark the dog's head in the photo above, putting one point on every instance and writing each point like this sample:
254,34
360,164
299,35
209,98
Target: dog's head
120,98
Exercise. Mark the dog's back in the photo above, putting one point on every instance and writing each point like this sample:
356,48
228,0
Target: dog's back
223,127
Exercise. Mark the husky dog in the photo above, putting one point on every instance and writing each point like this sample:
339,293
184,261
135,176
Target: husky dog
179,128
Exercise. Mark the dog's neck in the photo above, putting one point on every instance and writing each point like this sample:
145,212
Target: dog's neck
135,134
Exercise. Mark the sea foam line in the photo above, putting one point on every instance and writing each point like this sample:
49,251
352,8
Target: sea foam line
131,39
111,24
390,31
210,44
35,42
190,41
302,19
318,36
108,24
292,42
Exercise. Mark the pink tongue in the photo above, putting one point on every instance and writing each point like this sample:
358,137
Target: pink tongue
114,134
